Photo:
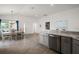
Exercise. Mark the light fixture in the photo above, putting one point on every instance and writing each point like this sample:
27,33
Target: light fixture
12,12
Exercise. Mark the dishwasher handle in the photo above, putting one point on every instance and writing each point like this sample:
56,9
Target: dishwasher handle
51,35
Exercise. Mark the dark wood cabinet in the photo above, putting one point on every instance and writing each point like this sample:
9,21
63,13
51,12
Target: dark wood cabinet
75,47
66,45
54,42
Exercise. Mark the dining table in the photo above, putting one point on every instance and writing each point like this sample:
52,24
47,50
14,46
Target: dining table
17,35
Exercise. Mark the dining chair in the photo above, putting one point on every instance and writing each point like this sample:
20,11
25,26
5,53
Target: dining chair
6,35
14,36
0,35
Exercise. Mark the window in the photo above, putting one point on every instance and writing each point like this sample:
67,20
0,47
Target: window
4,25
7,26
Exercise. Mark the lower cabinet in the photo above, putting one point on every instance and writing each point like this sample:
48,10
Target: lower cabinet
66,45
75,46
75,49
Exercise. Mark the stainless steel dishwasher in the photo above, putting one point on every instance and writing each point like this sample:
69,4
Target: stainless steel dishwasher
54,42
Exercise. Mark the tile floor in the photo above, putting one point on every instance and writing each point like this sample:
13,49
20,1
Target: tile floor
29,45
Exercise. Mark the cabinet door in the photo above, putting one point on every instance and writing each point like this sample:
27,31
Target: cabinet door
75,49
66,45
58,43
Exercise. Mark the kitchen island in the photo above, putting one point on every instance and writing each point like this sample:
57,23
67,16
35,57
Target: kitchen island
66,42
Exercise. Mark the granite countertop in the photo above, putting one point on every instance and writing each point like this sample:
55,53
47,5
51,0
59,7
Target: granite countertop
74,35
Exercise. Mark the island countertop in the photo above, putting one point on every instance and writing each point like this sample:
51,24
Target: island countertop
74,35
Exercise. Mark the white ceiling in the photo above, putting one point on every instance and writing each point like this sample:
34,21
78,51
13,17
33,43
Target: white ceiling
34,10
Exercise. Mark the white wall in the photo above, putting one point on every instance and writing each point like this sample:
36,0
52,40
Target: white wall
71,16
42,23
29,25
